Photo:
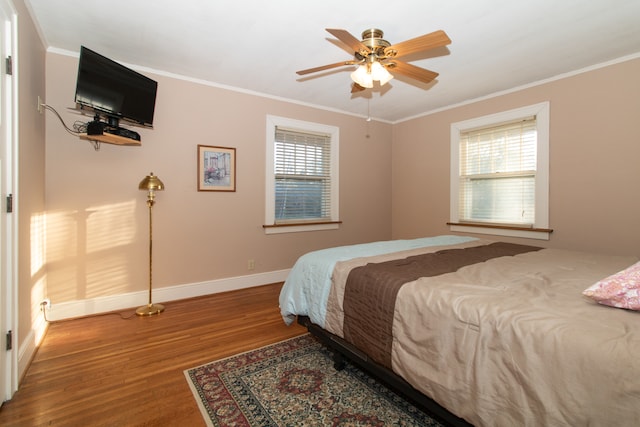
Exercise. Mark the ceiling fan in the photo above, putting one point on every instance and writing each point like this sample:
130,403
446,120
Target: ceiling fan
376,56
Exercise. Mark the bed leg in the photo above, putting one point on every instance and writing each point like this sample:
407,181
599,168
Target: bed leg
338,361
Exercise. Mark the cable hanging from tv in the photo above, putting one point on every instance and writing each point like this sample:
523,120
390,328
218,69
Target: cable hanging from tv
79,127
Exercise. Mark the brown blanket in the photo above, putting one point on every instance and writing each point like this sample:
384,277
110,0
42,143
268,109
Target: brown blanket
370,292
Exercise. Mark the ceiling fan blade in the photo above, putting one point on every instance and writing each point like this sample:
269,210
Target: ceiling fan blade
417,73
348,39
324,67
355,87
418,44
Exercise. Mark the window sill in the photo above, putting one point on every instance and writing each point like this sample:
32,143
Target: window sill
502,230
300,227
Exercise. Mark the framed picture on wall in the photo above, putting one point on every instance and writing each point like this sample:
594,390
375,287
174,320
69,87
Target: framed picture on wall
216,168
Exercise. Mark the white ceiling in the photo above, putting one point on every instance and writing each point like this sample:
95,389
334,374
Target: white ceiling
258,45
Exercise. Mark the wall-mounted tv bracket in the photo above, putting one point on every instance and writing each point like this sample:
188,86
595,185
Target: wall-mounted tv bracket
94,131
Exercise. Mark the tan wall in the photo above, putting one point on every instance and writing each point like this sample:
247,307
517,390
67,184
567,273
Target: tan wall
30,195
98,221
594,171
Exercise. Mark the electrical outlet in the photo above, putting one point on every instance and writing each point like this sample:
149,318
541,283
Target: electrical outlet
40,107
251,264
45,304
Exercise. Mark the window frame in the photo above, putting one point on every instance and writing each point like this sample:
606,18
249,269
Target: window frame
540,229
292,226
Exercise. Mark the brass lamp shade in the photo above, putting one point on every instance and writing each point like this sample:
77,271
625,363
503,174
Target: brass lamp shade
151,184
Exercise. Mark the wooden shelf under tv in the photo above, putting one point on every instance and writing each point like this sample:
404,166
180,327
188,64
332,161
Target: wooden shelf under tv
110,139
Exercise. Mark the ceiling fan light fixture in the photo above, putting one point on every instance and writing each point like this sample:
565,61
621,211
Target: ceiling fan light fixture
365,74
380,73
362,76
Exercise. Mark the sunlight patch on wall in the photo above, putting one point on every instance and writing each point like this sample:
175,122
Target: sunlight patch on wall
38,238
37,295
62,236
87,251
109,226
108,275
63,283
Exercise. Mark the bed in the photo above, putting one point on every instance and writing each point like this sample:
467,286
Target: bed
481,332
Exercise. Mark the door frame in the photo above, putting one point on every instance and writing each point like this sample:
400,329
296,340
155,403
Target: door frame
8,185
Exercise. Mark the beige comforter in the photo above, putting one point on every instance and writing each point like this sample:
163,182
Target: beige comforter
512,341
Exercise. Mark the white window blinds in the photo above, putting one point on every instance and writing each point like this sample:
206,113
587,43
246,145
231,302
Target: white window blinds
302,176
498,173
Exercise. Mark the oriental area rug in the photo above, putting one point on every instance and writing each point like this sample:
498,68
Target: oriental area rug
294,383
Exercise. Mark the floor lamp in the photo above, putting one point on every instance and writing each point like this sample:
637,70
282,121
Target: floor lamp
151,184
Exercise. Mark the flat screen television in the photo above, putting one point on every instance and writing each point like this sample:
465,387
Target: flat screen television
114,91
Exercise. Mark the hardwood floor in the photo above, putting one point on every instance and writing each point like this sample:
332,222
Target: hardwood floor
109,371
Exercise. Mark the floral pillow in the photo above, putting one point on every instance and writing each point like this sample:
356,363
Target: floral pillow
620,290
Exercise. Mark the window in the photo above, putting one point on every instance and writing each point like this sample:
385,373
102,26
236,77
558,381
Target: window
302,176
499,173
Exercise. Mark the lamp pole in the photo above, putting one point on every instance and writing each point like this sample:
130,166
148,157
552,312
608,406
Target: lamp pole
151,184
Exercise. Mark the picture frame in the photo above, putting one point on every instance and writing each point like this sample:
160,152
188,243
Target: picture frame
216,168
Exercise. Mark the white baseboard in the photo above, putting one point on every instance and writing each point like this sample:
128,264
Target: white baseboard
87,307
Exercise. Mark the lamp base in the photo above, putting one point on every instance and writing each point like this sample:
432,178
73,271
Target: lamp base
150,310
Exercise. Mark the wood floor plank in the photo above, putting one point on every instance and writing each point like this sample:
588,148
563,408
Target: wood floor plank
109,371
